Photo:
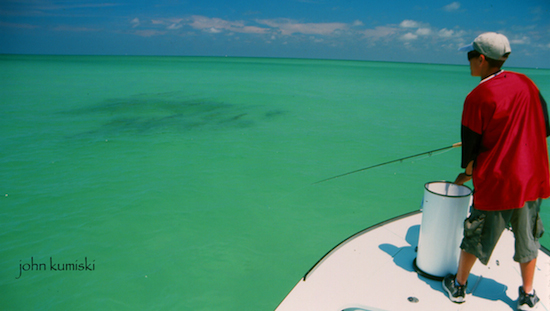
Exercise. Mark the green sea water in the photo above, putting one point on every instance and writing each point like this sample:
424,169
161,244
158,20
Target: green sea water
185,183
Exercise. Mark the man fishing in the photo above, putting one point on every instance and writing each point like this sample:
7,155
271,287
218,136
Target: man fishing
504,152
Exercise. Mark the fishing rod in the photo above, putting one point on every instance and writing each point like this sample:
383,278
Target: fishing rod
398,160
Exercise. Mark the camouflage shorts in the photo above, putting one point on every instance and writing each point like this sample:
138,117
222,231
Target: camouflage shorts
482,231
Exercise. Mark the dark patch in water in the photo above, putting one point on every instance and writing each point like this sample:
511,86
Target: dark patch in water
274,113
157,113
238,117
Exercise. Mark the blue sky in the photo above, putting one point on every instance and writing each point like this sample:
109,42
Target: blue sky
402,31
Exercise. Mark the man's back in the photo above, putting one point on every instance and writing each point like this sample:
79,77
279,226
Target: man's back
506,111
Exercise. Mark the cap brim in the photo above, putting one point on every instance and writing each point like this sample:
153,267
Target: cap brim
467,48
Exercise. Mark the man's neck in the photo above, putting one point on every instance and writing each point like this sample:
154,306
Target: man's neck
489,72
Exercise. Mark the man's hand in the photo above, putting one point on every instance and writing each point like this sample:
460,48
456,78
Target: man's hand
462,178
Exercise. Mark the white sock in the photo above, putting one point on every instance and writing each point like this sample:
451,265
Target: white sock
531,293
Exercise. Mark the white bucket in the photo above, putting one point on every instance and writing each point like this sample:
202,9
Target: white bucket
444,208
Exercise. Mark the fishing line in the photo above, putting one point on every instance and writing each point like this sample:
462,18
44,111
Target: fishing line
430,153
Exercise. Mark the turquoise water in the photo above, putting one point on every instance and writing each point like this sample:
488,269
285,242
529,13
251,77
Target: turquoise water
181,183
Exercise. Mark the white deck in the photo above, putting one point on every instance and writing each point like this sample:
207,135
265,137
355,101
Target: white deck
373,270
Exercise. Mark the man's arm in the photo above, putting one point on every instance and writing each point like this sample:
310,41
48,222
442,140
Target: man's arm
467,175
545,113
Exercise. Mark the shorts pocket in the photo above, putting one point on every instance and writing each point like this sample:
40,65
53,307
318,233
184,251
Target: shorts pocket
538,230
473,231
473,226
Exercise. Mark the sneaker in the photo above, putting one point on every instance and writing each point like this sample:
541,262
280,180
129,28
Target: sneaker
526,301
456,293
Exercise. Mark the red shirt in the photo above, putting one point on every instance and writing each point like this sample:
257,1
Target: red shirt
504,130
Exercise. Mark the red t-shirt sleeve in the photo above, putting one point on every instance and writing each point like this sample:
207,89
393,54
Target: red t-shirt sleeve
475,117
545,113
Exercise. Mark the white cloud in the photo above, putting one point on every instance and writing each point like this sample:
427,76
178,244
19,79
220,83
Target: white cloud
209,24
423,31
75,29
522,40
289,27
379,32
174,26
149,33
212,30
409,36
412,32
316,40
253,29
203,22
452,7
17,25
446,33
409,24
135,22
217,25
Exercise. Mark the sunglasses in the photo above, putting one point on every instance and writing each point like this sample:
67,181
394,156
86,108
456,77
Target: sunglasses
473,54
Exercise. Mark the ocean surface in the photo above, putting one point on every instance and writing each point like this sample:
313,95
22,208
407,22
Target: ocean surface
186,183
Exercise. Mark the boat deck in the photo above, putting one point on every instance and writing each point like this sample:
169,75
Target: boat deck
373,271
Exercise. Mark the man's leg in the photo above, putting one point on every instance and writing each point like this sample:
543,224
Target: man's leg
527,299
465,265
457,292
527,228
528,274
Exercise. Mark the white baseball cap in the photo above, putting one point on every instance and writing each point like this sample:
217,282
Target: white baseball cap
491,44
